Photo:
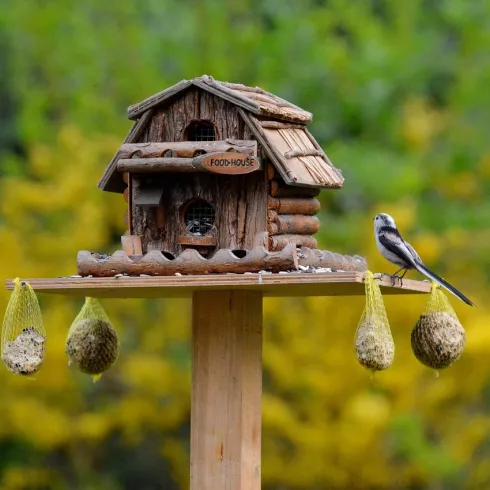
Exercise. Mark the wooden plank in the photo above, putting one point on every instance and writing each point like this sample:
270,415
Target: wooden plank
148,197
273,285
226,390
131,244
136,110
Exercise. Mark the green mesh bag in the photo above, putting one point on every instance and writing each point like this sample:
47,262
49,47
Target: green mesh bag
92,344
374,344
23,334
438,338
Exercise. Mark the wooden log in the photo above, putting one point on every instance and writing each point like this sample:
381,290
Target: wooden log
332,260
294,205
190,261
282,190
304,153
186,149
279,242
159,165
280,125
131,244
225,450
296,224
221,163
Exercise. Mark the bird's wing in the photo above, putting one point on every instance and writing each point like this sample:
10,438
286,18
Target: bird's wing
397,246
415,255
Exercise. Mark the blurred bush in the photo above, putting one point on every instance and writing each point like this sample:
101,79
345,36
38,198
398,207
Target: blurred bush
399,92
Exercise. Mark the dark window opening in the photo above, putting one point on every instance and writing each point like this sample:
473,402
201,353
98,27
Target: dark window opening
199,217
201,131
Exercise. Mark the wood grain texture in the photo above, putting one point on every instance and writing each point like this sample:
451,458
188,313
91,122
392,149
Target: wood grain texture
278,242
131,245
252,99
186,149
296,224
226,390
294,205
271,285
154,263
239,202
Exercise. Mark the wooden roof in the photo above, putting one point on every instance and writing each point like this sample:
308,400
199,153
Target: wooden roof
278,125
252,99
294,152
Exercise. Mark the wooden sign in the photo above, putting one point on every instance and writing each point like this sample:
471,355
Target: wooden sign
230,163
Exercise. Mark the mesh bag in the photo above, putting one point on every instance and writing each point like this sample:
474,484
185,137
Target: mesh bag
92,344
438,339
23,334
374,344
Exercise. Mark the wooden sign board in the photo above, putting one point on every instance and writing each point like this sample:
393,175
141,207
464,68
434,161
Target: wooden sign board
230,163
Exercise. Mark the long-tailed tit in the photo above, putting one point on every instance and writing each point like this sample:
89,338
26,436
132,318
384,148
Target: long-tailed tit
397,251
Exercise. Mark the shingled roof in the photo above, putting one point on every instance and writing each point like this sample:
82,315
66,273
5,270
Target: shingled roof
278,125
252,99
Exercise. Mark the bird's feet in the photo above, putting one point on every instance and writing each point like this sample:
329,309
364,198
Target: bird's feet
393,278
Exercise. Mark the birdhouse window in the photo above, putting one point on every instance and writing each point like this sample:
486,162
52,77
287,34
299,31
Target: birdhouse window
200,131
199,217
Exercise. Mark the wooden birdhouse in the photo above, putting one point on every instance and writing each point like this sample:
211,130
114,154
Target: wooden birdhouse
217,171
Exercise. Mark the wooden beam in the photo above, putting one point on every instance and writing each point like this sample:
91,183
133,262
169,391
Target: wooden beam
271,285
226,390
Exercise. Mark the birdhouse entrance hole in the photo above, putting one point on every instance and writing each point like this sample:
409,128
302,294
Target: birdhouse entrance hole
199,217
201,130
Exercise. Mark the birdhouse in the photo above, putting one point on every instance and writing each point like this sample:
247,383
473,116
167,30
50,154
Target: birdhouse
217,171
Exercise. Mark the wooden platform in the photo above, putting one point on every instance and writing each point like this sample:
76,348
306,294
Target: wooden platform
271,285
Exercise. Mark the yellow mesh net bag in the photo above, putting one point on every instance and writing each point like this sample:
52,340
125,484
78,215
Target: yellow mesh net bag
92,344
23,334
374,344
438,338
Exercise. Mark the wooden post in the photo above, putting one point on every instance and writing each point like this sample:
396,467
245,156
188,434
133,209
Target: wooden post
226,390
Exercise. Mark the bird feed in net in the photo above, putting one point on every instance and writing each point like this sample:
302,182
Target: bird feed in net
92,344
438,339
23,334
374,344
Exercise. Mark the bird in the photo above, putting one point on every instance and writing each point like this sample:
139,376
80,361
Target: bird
396,250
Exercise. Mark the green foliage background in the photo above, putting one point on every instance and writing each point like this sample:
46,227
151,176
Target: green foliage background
399,92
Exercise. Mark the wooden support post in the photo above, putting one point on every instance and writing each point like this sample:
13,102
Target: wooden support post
226,390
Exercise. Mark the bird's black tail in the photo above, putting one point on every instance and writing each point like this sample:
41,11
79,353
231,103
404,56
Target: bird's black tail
432,275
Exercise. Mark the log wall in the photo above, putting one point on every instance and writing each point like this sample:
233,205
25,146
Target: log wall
291,215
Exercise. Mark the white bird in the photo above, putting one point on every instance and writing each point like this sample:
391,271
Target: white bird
396,250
